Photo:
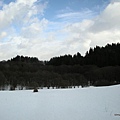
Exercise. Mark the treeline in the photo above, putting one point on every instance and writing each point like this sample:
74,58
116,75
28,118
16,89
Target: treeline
99,67
99,56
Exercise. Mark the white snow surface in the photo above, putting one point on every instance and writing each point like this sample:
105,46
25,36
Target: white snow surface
92,103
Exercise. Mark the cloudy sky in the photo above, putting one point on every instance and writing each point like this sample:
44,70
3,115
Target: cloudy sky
48,28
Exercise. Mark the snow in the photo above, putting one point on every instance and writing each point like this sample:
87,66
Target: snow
101,103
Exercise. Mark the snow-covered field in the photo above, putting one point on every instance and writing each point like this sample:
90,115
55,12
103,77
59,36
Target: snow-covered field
61,104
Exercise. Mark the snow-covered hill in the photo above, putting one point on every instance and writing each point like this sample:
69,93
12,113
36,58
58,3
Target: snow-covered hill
91,103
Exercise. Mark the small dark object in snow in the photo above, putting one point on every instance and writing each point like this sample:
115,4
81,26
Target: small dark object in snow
12,88
35,90
117,114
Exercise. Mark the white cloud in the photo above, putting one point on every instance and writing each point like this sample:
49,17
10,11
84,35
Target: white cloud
26,33
3,34
104,29
109,19
26,2
19,12
18,17
76,16
11,13
35,28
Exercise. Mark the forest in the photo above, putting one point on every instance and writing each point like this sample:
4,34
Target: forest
99,67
